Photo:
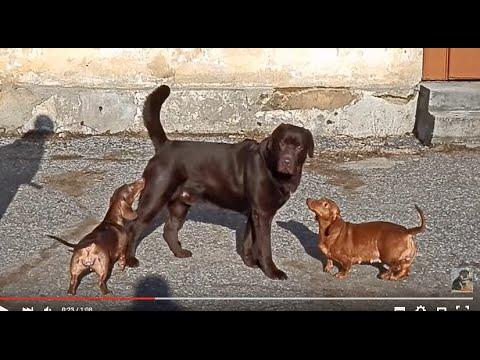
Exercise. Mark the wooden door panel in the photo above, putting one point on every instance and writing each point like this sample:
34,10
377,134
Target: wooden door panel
464,63
435,64
451,64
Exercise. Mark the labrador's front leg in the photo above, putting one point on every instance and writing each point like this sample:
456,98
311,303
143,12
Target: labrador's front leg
262,245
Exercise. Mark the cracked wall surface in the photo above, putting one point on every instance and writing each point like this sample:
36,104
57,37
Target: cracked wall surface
357,92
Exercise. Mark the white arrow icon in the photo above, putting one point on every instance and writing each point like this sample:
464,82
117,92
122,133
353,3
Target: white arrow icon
3,309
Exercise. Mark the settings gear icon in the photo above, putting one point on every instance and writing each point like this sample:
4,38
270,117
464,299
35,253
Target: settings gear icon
420,308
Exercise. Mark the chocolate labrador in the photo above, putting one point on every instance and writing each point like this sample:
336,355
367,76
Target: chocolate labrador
252,178
107,243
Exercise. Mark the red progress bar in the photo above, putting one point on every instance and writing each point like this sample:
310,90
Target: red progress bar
76,298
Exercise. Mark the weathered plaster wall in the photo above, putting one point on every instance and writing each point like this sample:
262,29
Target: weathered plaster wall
358,92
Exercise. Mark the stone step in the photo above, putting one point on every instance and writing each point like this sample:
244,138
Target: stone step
453,95
448,112
456,126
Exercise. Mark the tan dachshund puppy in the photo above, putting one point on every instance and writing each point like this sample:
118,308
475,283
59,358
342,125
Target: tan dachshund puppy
372,242
106,244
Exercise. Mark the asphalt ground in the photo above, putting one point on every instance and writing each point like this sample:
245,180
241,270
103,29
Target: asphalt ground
61,186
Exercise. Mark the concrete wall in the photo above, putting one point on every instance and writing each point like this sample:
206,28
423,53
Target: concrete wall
357,92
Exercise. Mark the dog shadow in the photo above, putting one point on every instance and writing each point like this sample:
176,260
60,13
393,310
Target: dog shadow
153,286
207,214
307,238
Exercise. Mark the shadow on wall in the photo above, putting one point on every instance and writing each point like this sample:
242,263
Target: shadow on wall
156,286
20,160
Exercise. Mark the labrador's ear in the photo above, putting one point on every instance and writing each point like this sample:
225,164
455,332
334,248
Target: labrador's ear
309,142
127,211
278,132
266,146
269,143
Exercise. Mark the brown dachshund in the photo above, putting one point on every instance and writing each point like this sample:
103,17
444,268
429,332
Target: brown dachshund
106,244
373,242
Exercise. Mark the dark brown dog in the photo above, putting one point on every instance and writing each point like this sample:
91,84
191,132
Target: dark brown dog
463,282
372,242
107,243
252,178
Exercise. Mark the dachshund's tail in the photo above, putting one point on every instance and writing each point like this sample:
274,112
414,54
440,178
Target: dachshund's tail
418,229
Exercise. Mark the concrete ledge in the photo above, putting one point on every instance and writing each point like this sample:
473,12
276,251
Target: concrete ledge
454,95
325,111
448,112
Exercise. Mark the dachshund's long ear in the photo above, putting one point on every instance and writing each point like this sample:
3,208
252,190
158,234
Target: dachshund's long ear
309,142
336,214
331,229
127,211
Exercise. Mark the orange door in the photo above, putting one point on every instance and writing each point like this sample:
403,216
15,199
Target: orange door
451,64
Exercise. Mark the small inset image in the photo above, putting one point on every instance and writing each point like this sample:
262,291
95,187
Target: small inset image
462,280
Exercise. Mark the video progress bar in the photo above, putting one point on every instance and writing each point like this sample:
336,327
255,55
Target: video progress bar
150,298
